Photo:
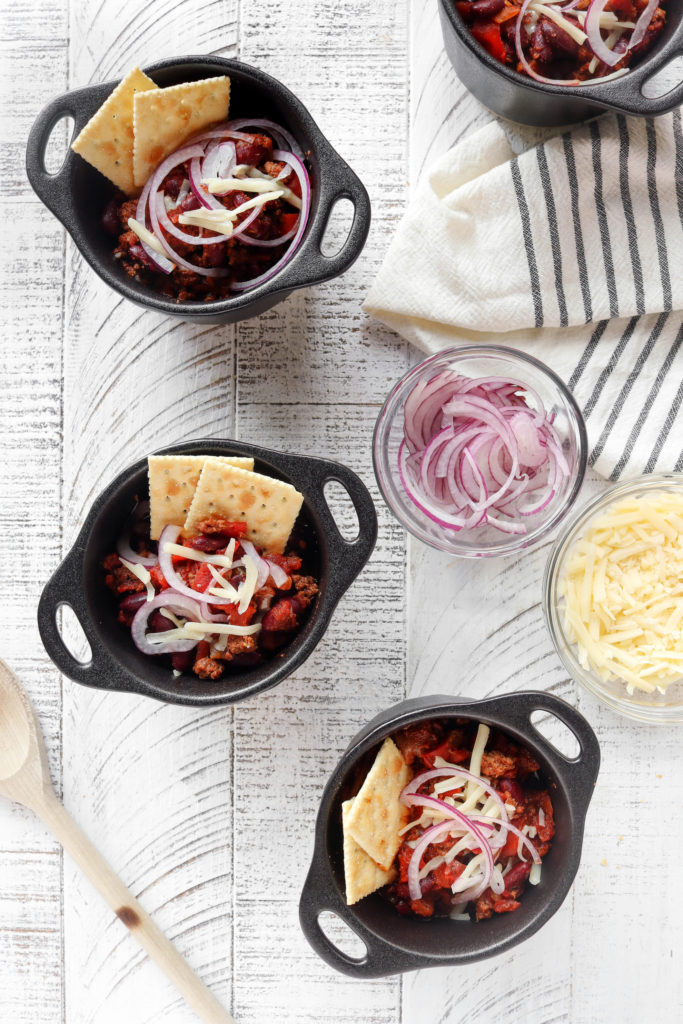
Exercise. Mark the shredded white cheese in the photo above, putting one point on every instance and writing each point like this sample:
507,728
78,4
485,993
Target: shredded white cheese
200,556
219,186
142,574
622,593
145,235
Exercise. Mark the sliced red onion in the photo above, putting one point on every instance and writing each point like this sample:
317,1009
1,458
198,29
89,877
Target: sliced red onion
201,195
506,826
262,567
591,27
429,836
270,243
179,604
124,550
442,773
179,260
475,453
160,262
642,24
279,575
173,229
169,535
302,175
525,63
276,130
464,823
219,160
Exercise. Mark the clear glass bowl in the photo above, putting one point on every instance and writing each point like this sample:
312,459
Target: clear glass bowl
480,361
663,708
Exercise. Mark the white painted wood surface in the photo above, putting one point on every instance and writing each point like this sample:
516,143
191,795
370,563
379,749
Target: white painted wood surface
187,804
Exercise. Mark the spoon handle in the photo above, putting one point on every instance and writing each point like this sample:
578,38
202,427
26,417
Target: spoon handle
129,911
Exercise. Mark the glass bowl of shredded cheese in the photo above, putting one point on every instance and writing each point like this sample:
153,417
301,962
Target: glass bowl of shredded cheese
614,598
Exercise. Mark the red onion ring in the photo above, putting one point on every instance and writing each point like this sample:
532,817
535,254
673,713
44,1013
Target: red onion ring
279,575
642,24
454,815
591,27
442,773
276,130
177,603
302,175
169,535
124,550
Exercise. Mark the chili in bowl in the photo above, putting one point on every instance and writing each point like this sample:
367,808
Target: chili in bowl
430,879
208,620
546,73
258,194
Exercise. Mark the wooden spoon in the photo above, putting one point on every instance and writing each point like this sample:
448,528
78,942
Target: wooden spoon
25,778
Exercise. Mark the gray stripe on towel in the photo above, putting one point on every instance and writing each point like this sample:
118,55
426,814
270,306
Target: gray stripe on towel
587,353
666,429
678,173
626,389
602,220
578,233
528,242
649,402
614,359
624,143
552,230
656,212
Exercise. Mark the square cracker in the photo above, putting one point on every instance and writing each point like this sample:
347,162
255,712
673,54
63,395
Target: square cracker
172,483
361,873
166,118
269,507
106,142
377,815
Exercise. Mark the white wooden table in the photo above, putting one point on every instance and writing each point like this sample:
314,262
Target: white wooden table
177,799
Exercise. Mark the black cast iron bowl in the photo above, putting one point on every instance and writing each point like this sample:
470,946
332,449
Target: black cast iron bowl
395,944
77,193
526,101
116,663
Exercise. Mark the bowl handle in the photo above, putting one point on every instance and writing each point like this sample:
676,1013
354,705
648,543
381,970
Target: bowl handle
625,94
63,588
336,181
519,708
52,189
346,558
380,959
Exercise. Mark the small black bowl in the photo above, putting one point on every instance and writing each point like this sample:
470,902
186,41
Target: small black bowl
395,944
116,663
77,193
522,99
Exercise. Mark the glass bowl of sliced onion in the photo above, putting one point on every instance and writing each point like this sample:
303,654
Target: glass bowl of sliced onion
480,451
613,598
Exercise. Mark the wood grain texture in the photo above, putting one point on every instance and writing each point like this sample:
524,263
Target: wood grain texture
188,805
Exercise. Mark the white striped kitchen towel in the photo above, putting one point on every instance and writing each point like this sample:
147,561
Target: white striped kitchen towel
573,252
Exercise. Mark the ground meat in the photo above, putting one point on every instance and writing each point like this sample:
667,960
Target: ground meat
208,668
223,526
415,739
306,588
495,765
120,579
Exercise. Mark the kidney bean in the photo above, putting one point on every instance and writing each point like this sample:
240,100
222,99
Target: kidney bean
182,661
158,623
557,39
486,8
190,202
210,544
513,788
110,218
128,607
173,181
256,151
540,50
